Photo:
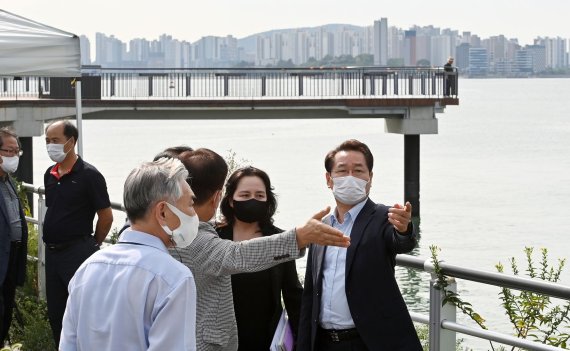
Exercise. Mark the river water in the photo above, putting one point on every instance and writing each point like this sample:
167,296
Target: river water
494,180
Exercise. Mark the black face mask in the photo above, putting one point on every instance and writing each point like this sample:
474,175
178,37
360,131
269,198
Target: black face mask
251,210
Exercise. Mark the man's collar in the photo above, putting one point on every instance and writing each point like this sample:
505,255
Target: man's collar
142,238
353,212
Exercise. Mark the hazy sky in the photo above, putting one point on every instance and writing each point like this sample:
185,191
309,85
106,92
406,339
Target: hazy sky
189,20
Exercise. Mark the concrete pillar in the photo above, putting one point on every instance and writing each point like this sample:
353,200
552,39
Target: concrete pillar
412,172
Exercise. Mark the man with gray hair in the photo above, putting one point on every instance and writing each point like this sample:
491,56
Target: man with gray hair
134,295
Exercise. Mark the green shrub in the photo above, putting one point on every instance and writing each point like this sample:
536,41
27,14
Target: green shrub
30,325
533,316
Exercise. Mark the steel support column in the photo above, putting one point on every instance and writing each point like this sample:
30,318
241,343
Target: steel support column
412,172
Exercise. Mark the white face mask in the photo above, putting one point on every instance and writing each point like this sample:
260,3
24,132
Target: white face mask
10,164
349,190
186,232
56,153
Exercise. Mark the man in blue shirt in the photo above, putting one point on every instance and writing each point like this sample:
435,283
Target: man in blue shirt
134,295
351,300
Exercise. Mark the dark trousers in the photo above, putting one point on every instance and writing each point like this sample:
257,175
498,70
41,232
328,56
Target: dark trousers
450,86
325,343
8,293
61,265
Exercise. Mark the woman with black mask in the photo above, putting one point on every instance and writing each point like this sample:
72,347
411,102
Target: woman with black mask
248,207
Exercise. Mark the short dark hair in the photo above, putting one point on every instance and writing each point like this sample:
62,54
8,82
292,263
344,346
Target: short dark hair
231,186
172,152
69,129
350,145
208,172
8,132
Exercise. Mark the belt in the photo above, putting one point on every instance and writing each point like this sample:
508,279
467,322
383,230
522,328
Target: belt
67,244
338,335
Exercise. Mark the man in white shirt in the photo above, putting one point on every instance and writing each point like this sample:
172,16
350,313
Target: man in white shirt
134,295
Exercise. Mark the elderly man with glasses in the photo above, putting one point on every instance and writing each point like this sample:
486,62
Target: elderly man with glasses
13,230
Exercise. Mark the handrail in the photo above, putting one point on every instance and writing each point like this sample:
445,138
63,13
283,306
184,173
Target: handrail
498,337
485,277
439,323
370,82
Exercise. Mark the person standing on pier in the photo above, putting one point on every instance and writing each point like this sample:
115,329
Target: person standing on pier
13,230
450,77
75,191
351,300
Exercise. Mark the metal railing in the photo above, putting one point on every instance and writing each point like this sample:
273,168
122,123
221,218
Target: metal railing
253,83
441,320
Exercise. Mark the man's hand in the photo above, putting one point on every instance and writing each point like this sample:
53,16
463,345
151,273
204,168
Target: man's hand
104,222
400,216
316,232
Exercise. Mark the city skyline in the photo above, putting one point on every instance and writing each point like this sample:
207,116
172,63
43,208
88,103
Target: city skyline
190,22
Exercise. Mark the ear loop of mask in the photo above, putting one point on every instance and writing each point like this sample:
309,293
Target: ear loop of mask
175,248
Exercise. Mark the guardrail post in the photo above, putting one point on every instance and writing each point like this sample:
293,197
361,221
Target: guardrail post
440,339
300,79
396,83
263,85
41,248
188,85
226,85
112,85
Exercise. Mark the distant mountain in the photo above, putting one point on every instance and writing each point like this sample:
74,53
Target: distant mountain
249,43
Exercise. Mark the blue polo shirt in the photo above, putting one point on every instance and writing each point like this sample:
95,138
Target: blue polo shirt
72,201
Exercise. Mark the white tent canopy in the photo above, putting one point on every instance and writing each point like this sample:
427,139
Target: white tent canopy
29,48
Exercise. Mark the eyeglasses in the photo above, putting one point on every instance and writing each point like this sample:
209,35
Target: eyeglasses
17,152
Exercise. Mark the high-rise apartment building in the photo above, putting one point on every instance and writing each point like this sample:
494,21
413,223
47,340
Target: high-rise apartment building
462,57
478,62
85,47
410,58
556,51
381,42
109,50
538,55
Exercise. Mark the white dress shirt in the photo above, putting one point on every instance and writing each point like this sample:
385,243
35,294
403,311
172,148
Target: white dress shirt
335,313
131,296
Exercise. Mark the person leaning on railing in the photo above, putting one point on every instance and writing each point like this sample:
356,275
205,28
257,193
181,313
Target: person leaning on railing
450,77
13,230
